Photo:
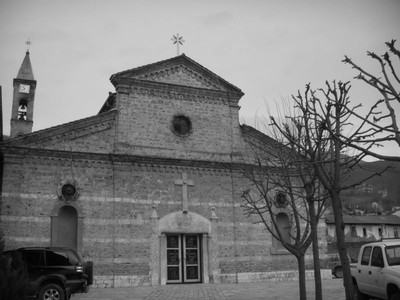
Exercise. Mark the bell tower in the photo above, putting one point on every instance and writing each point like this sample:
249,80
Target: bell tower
23,99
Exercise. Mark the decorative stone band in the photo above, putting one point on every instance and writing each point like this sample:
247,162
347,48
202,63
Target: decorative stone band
120,162
82,198
164,91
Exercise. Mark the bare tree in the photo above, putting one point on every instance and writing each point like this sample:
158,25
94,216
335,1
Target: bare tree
282,184
322,114
380,124
333,137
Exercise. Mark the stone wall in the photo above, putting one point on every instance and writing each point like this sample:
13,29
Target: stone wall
117,201
148,111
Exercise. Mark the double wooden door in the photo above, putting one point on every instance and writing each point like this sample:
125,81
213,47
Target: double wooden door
183,258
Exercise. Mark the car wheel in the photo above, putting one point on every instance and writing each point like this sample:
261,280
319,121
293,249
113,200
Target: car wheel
51,292
338,272
357,294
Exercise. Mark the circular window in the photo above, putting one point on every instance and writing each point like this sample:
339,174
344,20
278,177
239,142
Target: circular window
68,190
181,125
281,200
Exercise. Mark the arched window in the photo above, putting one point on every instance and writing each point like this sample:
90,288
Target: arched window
22,109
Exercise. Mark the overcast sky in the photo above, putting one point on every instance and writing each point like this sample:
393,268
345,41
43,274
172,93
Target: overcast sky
269,49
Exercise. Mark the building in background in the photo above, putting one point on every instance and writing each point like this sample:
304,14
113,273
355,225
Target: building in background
362,229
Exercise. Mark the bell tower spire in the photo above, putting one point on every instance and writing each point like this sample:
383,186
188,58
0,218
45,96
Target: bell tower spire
23,99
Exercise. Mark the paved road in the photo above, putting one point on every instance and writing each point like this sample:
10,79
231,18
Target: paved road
332,290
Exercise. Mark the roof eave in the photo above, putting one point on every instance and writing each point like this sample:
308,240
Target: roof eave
125,81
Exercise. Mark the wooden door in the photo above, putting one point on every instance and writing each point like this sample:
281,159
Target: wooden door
183,258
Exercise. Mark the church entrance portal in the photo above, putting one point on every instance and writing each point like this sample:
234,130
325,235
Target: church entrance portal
183,249
183,258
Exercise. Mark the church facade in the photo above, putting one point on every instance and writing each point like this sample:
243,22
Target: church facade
149,189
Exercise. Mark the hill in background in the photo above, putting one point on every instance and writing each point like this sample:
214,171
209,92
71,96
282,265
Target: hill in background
383,189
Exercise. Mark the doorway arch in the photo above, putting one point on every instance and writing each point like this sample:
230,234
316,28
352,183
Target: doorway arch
185,226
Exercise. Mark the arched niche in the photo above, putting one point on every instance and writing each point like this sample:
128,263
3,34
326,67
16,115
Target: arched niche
67,225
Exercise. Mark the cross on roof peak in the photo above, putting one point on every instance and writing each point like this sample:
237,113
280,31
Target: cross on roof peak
28,43
178,40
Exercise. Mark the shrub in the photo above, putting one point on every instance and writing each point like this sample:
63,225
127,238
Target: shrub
13,275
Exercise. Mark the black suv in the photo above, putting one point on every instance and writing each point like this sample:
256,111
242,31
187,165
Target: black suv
53,272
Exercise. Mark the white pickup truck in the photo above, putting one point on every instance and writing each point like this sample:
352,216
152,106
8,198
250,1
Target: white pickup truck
377,271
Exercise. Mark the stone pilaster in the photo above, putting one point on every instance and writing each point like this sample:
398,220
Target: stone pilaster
213,248
206,258
155,249
163,259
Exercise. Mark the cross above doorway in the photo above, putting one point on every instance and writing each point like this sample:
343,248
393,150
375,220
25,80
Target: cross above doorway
184,182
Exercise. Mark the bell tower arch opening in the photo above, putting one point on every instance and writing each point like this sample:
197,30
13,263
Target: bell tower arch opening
22,109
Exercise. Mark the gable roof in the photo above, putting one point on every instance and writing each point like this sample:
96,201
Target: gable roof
258,135
69,130
179,70
263,142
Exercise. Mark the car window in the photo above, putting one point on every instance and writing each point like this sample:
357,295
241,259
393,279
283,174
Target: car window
33,258
377,257
393,255
365,256
57,258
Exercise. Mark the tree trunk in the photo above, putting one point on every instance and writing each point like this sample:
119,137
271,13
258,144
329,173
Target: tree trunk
334,192
341,246
317,265
302,277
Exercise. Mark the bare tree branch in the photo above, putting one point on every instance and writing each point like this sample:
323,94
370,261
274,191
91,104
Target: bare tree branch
380,124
